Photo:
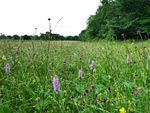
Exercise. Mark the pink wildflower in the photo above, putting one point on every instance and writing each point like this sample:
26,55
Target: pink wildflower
93,86
80,73
138,88
56,84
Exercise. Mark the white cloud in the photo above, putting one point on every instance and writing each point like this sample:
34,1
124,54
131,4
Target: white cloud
23,16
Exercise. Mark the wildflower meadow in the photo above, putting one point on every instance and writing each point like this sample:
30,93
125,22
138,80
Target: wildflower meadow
74,77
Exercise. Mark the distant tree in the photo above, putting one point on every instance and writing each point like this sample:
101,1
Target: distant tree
75,38
3,36
9,37
16,37
62,37
56,36
44,36
26,37
37,37
82,35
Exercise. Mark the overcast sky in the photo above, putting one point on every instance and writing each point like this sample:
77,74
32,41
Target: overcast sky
23,16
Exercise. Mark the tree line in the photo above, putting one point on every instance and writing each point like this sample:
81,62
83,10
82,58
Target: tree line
118,19
42,36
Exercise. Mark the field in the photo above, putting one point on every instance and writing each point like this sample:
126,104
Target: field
72,76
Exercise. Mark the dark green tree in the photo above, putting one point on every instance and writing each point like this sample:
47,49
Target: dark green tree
16,37
116,17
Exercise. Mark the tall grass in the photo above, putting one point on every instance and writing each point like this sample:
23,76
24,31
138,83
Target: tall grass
119,85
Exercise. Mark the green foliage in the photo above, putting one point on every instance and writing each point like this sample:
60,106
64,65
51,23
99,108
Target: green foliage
26,37
16,37
116,17
43,36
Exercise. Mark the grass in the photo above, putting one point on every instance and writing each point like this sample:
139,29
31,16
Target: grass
28,87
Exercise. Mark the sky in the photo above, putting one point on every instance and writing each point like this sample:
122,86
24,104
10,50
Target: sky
23,16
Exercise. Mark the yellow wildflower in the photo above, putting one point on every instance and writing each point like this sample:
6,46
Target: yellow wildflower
142,74
122,110
34,81
64,91
3,57
34,106
64,99
99,94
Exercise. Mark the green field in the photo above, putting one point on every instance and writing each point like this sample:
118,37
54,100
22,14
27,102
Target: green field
118,85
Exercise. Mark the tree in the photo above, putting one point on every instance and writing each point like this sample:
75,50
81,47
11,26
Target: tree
3,36
116,17
16,37
26,37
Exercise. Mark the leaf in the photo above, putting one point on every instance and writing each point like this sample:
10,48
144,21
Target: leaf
4,110
105,78
48,92
128,84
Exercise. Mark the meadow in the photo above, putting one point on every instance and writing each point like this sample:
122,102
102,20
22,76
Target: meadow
73,76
